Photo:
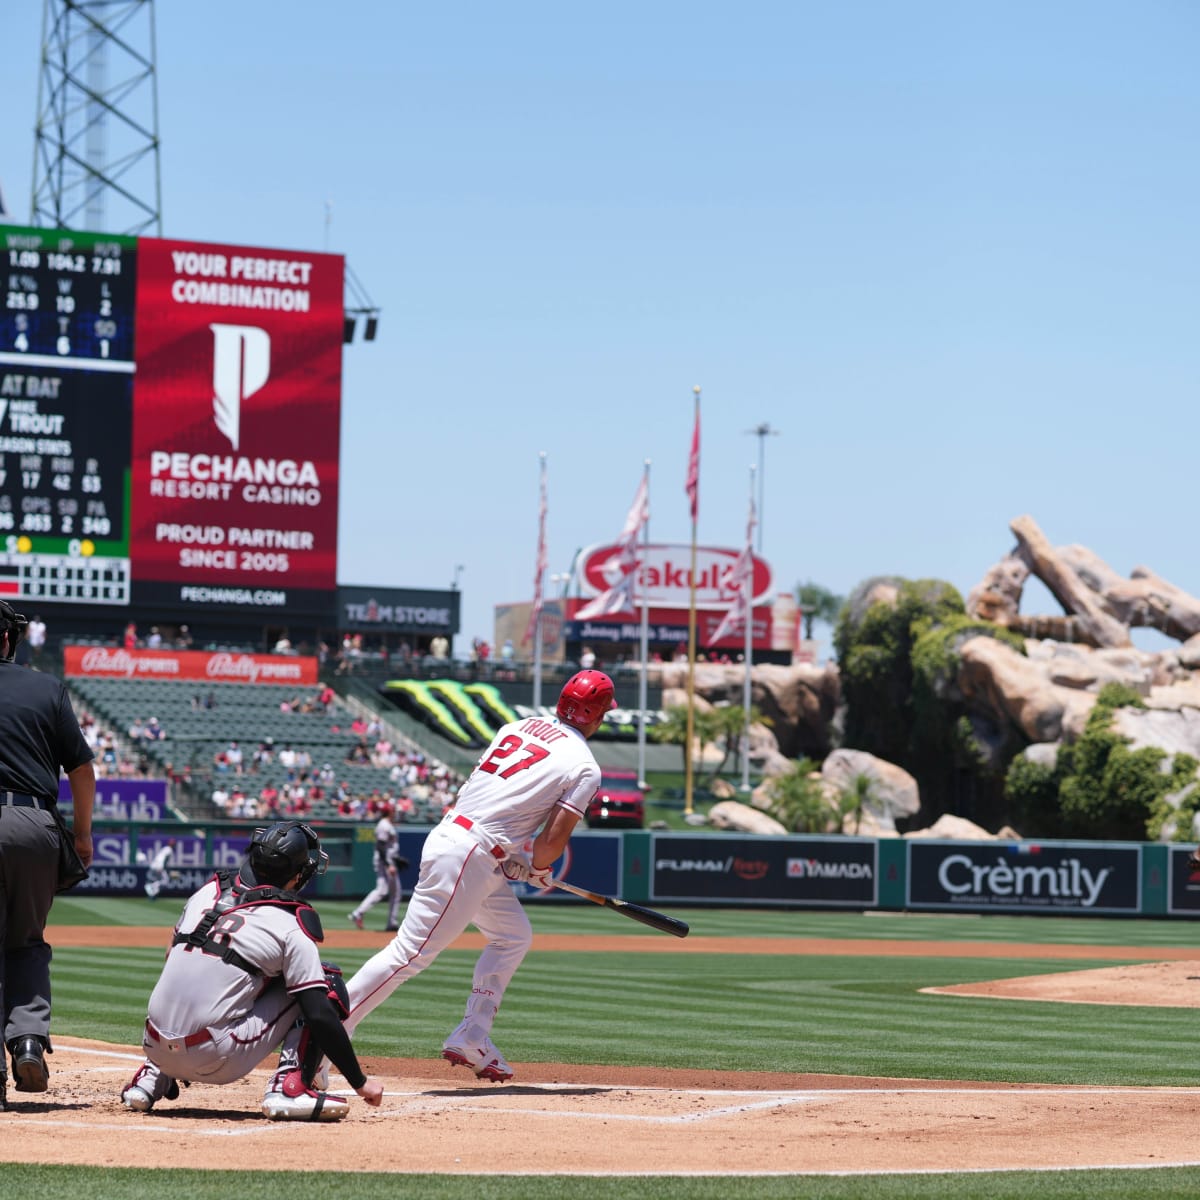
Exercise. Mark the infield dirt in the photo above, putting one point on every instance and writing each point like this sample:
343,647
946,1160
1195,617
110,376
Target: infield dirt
558,1118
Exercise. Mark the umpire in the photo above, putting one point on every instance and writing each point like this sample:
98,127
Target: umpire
39,733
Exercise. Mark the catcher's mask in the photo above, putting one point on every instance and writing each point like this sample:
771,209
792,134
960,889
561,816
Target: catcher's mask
285,850
14,624
586,696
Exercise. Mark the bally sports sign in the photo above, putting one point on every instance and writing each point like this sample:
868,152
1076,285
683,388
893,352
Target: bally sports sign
219,667
665,575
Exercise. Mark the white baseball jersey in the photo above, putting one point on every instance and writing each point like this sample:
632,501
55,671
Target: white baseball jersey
196,990
531,766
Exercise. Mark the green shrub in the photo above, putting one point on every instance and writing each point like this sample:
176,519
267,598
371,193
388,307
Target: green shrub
1101,788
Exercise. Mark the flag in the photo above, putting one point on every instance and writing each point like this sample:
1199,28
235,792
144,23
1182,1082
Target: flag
741,577
620,569
693,471
539,577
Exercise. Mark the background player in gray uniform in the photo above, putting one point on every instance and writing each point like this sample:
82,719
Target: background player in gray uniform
160,868
536,775
38,735
388,863
243,967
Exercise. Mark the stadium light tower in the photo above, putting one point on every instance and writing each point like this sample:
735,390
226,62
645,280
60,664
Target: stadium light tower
96,142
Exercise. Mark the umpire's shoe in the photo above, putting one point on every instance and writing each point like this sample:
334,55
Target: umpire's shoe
287,1099
29,1064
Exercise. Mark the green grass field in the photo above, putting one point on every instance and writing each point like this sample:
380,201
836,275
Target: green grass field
855,1014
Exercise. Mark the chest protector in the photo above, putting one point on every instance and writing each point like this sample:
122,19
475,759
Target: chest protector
235,894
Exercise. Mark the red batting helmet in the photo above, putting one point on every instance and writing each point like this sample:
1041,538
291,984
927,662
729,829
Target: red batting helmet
586,696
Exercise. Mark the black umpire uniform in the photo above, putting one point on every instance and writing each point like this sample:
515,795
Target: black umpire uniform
39,733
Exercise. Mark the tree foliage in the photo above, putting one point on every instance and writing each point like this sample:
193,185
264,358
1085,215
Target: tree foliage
797,799
1102,788
897,644
817,603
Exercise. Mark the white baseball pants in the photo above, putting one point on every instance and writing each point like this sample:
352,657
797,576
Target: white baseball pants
460,883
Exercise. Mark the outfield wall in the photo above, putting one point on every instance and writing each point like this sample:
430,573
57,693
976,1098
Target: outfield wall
1127,879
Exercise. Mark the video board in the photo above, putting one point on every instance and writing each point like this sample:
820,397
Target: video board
169,422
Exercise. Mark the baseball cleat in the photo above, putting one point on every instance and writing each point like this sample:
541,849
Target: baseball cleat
137,1100
355,920
485,1060
147,1086
288,1099
29,1064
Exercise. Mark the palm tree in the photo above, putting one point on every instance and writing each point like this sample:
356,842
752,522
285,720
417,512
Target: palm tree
856,796
706,729
730,720
817,603
798,800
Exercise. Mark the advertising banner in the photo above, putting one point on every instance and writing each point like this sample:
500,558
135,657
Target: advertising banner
213,667
397,610
115,848
665,575
1025,876
1184,896
826,872
236,425
123,800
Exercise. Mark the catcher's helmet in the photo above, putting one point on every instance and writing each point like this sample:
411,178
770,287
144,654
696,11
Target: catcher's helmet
586,696
14,624
282,851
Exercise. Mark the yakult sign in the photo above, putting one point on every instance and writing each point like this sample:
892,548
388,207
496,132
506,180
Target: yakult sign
221,667
665,575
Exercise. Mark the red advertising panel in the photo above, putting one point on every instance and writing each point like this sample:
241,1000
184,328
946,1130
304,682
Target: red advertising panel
666,575
236,421
221,667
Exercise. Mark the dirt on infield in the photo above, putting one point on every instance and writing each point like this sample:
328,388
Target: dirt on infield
558,1118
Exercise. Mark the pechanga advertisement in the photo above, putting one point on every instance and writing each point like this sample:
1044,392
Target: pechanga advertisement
236,426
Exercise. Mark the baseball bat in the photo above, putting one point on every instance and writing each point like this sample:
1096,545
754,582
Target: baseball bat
636,912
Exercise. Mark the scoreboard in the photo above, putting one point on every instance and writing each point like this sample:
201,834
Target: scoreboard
66,396
169,422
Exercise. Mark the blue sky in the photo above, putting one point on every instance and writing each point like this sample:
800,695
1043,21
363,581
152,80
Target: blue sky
948,249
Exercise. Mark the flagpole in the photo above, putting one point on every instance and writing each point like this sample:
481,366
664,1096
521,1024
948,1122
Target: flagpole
746,659
540,591
645,645
691,675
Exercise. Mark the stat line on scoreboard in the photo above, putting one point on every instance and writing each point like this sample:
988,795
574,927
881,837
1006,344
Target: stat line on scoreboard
50,360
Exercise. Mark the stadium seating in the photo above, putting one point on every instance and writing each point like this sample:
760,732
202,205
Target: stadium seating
195,736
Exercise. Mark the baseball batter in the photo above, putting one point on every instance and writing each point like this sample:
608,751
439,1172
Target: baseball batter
242,975
536,775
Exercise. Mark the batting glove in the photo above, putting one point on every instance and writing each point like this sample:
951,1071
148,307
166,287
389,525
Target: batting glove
541,878
517,866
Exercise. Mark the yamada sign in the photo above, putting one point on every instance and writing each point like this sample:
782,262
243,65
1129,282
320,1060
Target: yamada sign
665,579
222,667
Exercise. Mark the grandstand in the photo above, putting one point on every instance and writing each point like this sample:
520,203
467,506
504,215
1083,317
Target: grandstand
287,737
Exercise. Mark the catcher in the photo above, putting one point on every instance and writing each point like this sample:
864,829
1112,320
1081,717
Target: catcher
244,973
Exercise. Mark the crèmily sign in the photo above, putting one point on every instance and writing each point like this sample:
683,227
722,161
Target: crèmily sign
1024,876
